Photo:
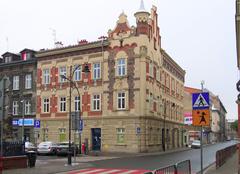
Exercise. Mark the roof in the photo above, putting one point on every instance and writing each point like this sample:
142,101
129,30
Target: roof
191,90
9,53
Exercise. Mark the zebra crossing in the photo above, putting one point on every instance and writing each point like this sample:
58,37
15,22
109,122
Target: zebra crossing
108,171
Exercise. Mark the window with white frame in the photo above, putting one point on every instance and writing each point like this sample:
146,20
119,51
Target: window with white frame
28,81
96,71
151,69
27,108
62,104
77,73
62,72
158,75
15,108
46,76
46,103
96,102
77,103
120,135
121,98
121,66
151,101
8,59
15,82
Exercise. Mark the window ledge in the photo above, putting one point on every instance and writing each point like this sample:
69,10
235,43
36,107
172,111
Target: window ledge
121,77
121,144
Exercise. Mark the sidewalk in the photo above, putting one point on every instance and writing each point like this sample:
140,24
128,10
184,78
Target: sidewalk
230,167
53,166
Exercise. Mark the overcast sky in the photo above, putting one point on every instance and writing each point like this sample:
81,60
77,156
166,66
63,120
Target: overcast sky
199,35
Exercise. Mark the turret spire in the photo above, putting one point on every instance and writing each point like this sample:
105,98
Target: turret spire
142,8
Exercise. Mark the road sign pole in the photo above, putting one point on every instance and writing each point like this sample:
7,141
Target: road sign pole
201,138
201,141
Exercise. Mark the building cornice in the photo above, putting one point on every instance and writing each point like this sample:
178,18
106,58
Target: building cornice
71,49
17,63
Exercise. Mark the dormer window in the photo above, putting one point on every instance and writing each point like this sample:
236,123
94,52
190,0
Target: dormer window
26,56
8,59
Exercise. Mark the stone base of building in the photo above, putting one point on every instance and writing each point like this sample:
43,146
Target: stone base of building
130,134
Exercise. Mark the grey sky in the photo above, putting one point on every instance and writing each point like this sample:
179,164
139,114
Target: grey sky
199,35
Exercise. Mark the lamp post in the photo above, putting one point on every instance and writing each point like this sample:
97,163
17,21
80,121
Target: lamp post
70,80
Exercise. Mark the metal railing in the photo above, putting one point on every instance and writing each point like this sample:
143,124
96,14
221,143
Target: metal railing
223,154
183,167
13,149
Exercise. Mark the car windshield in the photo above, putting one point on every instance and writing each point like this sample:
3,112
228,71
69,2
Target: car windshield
196,142
45,144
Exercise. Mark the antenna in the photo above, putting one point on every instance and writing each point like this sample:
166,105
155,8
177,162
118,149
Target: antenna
54,33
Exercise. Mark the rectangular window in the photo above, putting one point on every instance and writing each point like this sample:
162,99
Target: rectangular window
77,102
121,66
62,104
27,108
15,108
46,103
15,82
151,69
28,81
8,59
120,135
46,76
62,72
121,100
96,102
77,73
96,71
151,101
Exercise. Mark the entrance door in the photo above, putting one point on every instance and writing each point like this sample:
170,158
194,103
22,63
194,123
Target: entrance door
96,139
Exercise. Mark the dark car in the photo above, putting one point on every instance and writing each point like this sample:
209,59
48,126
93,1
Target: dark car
62,148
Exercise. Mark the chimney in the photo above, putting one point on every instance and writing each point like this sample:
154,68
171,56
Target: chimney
58,44
82,42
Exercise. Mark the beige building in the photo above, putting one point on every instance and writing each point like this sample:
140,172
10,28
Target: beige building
132,99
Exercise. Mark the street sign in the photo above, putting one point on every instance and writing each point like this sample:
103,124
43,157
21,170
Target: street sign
138,130
80,125
37,123
200,100
201,117
27,122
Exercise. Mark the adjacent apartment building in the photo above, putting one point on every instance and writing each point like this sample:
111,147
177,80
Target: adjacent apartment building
18,95
132,99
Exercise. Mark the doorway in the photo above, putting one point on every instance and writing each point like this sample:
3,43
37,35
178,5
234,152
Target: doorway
96,139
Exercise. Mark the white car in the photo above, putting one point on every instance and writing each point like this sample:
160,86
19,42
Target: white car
47,147
195,144
29,147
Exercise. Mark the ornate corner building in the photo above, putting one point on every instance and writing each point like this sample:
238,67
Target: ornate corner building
132,99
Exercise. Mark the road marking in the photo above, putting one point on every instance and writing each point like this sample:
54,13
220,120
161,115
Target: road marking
108,171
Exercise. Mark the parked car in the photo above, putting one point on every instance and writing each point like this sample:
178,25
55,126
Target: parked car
47,147
195,144
30,147
62,148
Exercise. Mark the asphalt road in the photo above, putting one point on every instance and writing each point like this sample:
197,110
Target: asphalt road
151,162
157,161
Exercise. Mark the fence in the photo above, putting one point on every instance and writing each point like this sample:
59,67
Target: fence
223,154
183,167
13,148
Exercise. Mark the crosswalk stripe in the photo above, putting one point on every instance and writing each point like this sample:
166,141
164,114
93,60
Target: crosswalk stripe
129,172
110,171
92,171
107,171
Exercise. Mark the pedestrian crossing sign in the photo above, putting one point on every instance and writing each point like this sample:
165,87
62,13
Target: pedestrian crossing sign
201,117
200,100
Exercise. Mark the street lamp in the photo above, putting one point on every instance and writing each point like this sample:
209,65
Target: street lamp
70,80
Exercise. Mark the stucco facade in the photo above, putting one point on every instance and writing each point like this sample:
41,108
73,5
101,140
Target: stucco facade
132,95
